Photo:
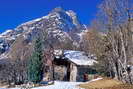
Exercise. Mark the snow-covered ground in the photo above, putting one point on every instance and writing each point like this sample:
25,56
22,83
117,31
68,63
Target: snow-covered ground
63,85
58,85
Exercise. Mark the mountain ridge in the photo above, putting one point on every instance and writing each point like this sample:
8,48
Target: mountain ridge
60,24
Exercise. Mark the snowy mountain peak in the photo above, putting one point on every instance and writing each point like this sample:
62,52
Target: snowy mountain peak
60,25
58,9
60,15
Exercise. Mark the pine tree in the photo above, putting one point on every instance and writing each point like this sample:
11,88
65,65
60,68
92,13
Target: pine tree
35,63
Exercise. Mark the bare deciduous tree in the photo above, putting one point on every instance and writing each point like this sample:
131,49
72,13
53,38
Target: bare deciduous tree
116,18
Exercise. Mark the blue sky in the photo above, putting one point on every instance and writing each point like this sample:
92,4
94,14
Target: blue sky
15,12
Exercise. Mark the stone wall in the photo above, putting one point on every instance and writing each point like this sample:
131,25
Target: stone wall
60,72
73,72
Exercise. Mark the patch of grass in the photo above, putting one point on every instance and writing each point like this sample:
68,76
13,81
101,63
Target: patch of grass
106,84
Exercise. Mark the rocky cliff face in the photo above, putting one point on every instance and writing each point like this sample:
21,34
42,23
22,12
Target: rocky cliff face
60,26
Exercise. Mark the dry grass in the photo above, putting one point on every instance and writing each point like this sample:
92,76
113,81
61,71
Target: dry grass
106,84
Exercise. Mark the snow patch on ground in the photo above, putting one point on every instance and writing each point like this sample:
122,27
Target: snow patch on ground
62,85
93,80
96,79
59,85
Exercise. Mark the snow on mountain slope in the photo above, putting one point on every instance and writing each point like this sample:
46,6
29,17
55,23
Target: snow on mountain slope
60,24
6,39
6,32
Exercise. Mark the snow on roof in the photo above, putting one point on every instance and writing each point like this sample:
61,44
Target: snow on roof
79,57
